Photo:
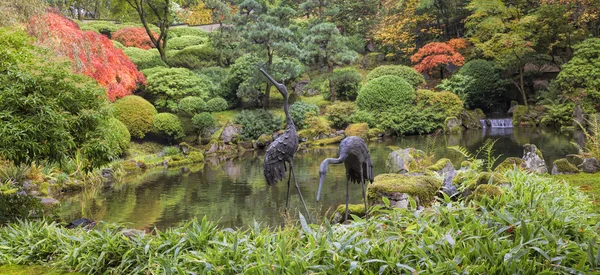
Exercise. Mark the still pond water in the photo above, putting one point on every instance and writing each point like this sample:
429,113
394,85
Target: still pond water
233,192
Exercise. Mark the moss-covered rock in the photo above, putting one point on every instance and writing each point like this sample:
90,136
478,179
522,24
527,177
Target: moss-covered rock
375,132
353,209
487,178
306,134
397,188
533,159
404,160
486,190
471,119
563,166
327,141
371,60
265,140
520,117
179,160
452,125
440,165
479,112
509,164
465,164
359,129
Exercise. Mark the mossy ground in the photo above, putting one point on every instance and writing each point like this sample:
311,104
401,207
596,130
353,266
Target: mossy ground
359,129
31,270
424,187
588,183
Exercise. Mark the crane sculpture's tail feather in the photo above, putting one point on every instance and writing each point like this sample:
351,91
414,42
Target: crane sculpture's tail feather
275,172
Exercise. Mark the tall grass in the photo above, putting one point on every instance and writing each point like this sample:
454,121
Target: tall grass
539,226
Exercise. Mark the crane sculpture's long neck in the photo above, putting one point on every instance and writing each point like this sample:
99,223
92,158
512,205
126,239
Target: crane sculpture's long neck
325,167
286,110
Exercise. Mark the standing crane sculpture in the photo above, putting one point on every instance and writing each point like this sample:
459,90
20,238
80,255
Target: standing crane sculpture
359,166
282,150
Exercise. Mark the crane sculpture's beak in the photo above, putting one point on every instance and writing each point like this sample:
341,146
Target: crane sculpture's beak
320,186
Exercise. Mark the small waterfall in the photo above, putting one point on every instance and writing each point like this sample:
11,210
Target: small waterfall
496,123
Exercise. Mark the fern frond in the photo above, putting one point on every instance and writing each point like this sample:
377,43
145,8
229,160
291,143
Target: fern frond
463,151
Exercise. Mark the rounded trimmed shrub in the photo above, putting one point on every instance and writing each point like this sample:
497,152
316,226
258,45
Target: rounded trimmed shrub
204,122
108,143
118,136
182,42
168,125
136,113
363,117
194,57
216,104
299,111
412,76
169,85
446,104
144,59
191,105
339,113
105,28
257,122
186,31
346,82
385,92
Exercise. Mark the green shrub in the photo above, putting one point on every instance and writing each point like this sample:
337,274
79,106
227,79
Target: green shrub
182,42
191,105
299,110
108,144
171,151
478,83
106,28
46,111
220,88
16,206
363,117
204,122
168,125
446,104
168,86
579,77
194,57
144,59
216,104
407,120
519,115
257,122
317,124
136,113
558,115
186,31
346,82
409,74
339,113
385,92
118,45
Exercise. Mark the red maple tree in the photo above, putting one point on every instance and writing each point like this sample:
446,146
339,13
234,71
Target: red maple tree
435,55
134,37
92,54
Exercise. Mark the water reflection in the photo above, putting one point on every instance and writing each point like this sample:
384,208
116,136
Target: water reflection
233,192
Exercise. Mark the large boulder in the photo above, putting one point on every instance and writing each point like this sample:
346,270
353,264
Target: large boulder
533,159
452,125
403,160
590,165
445,168
398,188
563,166
471,119
230,133
510,163
359,129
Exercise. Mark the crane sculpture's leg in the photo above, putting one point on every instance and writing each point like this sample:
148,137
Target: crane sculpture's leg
287,198
347,199
299,193
362,182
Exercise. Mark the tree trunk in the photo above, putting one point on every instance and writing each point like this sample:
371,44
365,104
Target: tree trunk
522,85
331,87
441,72
267,96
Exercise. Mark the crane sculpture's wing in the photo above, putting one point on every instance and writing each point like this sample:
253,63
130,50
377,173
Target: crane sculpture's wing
280,151
357,154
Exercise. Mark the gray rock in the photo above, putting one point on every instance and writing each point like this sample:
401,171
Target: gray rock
108,173
339,132
49,201
590,165
300,86
533,159
453,124
578,116
513,105
130,233
400,161
230,132
449,172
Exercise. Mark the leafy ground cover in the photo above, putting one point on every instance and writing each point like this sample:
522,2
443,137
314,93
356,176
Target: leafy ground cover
539,226
588,183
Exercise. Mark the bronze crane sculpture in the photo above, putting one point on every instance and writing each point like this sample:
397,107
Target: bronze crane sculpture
359,166
282,150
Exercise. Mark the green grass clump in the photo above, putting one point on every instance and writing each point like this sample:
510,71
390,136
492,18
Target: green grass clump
31,270
588,183
538,226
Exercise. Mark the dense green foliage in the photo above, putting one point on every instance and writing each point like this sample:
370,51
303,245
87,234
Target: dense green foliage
136,113
191,105
244,78
346,82
340,113
385,92
182,42
478,83
299,110
167,86
144,59
106,28
256,122
409,74
580,77
445,104
186,31
558,115
522,230
204,122
46,111
219,77
194,57
109,142
216,104
168,125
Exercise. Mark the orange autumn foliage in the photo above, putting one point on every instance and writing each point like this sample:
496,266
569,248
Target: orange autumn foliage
92,54
134,37
435,54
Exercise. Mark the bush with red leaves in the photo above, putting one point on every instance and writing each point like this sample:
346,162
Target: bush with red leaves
91,53
134,37
434,55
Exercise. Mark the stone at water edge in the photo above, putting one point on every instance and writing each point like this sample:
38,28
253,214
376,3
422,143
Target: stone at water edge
590,165
513,105
264,140
452,125
533,159
563,166
48,202
353,209
471,119
444,167
397,188
403,160
230,132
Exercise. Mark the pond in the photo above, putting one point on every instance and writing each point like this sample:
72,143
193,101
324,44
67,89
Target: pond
234,194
